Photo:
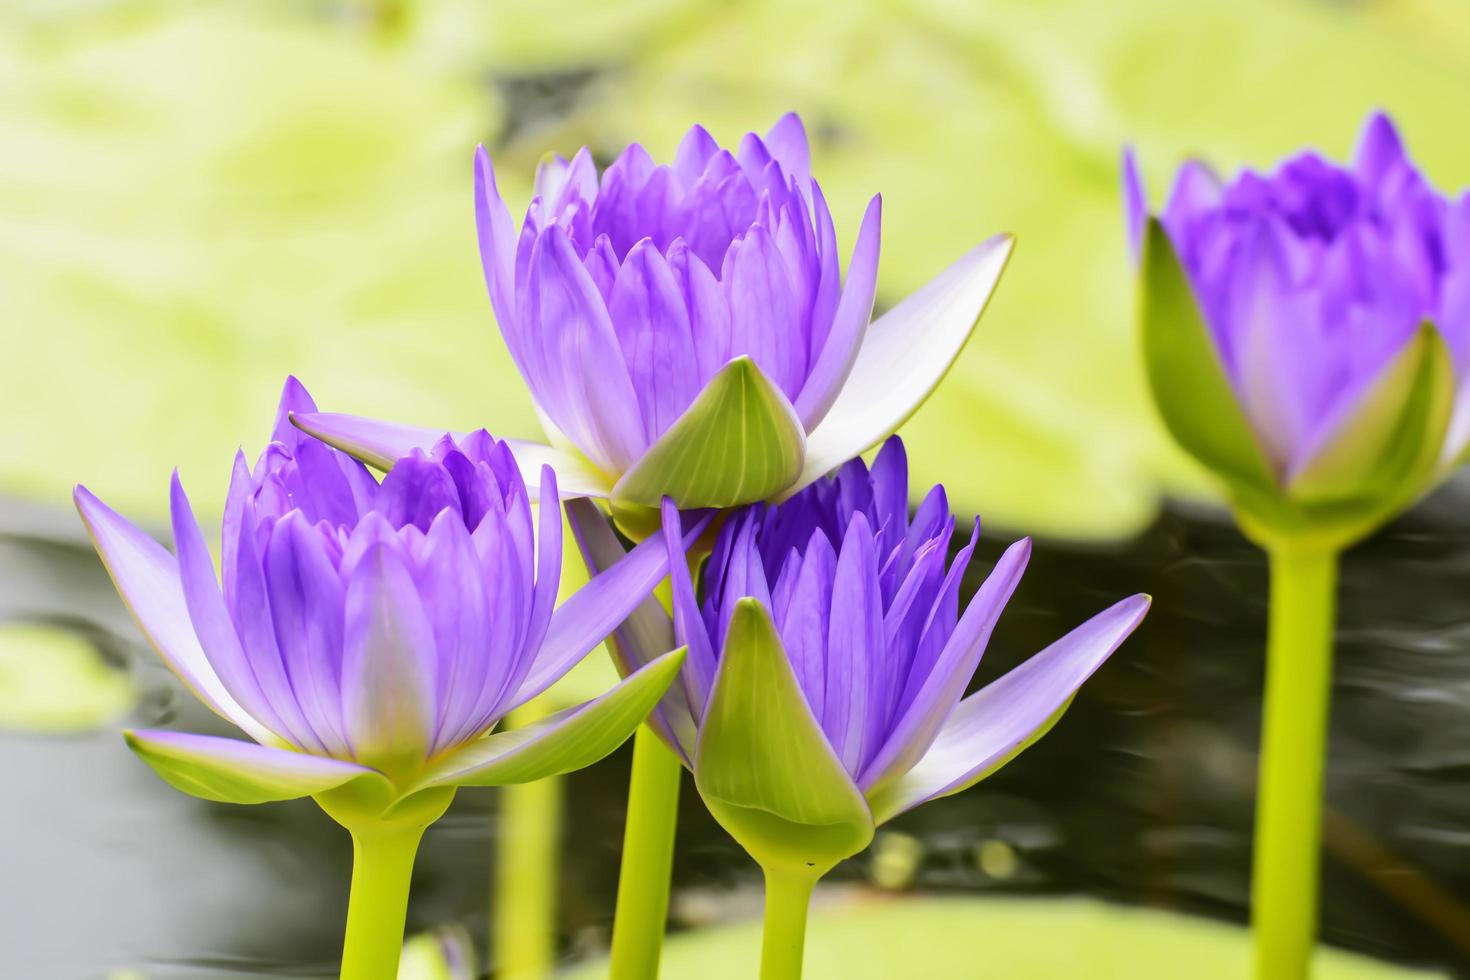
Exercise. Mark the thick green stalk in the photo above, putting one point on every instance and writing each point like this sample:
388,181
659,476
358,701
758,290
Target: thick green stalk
783,939
523,920
382,864
1293,760
648,859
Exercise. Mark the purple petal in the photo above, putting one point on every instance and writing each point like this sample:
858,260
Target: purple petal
709,311
943,686
991,725
763,316
253,623
1379,148
644,635
694,153
388,662
453,594
596,609
689,628
547,584
851,320
787,143
415,491
306,600
804,625
147,578
294,398
1135,203
652,324
380,444
589,395
211,619
854,647
497,238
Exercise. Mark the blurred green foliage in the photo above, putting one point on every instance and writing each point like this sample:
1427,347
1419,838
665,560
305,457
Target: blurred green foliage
197,198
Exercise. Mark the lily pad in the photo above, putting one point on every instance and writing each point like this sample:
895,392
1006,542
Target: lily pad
1019,939
53,681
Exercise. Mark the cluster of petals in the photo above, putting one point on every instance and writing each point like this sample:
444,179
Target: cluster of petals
1313,281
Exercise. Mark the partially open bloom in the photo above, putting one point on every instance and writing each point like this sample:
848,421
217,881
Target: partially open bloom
828,656
368,635
1308,332
685,329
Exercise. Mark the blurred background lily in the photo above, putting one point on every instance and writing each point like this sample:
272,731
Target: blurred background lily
1314,371
1333,302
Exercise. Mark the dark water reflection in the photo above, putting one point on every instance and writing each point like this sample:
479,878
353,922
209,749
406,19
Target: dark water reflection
1142,794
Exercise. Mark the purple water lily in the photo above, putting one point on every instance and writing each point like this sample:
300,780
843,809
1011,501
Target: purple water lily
373,633
685,328
860,607
1317,284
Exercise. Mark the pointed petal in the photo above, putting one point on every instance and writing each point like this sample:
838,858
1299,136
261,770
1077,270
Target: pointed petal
587,390
228,770
380,444
497,239
945,684
212,623
643,636
689,628
854,310
904,355
388,656
763,766
739,442
787,142
568,740
294,398
1135,204
596,609
147,578
543,599
652,323
1379,148
993,725
306,601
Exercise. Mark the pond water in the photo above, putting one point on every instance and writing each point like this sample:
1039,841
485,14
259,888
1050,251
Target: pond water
1141,795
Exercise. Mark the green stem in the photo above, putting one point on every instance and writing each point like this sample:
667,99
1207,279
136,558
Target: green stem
523,920
648,859
1293,760
382,864
784,937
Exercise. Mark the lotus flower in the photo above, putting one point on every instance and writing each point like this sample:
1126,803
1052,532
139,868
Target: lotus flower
686,331
1308,332
829,656
369,635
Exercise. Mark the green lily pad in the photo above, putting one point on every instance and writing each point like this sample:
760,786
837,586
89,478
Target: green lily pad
1019,939
54,682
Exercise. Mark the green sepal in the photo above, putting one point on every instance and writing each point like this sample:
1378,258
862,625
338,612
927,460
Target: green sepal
1386,456
1193,394
227,770
1392,439
763,765
568,740
739,441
